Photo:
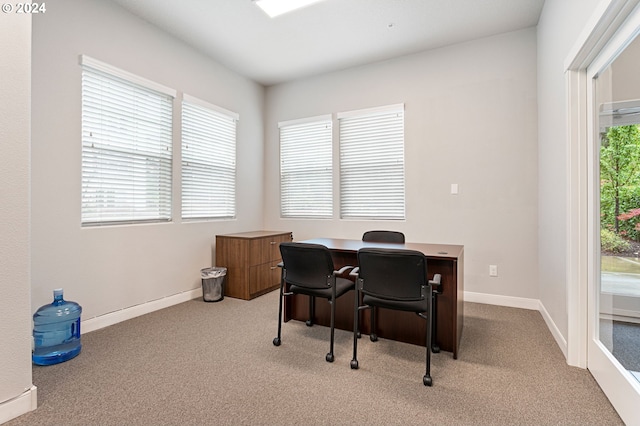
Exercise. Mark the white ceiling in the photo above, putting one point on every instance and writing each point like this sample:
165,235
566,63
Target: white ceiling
329,35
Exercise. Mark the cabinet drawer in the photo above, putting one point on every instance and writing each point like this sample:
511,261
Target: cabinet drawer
263,278
267,249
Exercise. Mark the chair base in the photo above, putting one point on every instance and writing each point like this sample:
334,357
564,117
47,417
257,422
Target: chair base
426,380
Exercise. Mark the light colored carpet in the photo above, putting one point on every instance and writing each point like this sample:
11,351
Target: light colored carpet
214,363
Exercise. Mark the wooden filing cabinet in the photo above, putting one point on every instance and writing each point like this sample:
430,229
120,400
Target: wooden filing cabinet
251,259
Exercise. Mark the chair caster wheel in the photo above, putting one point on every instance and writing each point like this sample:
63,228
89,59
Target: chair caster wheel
309,323
354,364
426,380
373,337
358,335
276,341
435,349
329,357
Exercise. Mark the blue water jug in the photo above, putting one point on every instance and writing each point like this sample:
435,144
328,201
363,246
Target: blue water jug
56,331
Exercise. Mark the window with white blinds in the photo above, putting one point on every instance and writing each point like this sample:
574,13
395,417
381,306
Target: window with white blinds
306,168
126,146
208,160
372,163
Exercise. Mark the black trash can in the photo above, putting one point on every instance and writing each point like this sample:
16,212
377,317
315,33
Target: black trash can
213,283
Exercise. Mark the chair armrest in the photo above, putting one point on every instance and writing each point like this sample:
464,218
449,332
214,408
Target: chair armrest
355,271
342,270
436,279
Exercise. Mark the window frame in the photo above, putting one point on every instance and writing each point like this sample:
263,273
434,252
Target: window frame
141,149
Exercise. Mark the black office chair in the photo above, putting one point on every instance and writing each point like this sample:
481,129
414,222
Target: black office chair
308,269
383,236
398,237
394,279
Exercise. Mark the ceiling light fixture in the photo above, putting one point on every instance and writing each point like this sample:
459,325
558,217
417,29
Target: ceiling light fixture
275,8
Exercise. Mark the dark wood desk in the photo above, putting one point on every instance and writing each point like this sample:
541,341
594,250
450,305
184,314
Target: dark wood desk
443,259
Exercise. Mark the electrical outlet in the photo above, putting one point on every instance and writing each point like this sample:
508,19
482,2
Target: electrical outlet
493,270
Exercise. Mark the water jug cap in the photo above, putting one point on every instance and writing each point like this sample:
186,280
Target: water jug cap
57,292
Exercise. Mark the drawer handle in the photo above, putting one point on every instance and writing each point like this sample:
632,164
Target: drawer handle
273,267
273,242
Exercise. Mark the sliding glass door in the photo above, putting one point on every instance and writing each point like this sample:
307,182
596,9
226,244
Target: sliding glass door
617,102
613,98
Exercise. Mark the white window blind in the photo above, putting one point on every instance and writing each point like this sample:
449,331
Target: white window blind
372,163
208,160
306,168
126,147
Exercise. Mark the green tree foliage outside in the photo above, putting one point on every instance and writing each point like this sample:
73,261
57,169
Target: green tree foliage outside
612,242
620,181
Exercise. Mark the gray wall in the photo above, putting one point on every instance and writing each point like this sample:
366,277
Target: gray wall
15,316
107,269
625,81
470,119
558,30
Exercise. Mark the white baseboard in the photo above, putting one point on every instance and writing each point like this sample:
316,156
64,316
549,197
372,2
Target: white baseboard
622,316
559,338
112,318
22,404
494,299
626,313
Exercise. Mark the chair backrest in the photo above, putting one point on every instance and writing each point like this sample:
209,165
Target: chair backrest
383,236
393,274
307,265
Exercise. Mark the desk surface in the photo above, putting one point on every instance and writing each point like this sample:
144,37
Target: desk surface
447,251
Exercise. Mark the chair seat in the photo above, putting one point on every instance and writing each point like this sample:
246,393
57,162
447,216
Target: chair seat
410,306
342,286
